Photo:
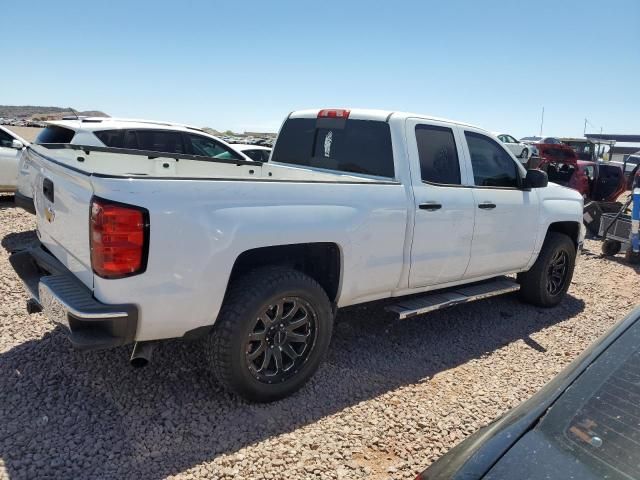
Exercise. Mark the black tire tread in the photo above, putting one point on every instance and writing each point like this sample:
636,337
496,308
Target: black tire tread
249,286
532,288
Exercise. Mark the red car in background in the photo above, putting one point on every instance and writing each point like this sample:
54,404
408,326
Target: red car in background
596,181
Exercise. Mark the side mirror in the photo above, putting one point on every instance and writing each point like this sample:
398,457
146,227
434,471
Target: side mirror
17,144
536,179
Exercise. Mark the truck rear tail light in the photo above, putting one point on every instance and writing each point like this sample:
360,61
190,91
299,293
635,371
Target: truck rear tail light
119,237
334,113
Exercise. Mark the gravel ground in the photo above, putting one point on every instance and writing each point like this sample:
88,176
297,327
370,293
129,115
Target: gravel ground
392,397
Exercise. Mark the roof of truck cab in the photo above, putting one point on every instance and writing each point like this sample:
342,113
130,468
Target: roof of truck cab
380,115
103,123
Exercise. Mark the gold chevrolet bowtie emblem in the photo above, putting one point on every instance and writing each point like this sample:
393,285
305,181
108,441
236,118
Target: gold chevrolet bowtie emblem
49,214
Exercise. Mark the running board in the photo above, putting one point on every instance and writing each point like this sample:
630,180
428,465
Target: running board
447,298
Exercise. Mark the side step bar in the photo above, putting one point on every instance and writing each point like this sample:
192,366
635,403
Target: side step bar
438,300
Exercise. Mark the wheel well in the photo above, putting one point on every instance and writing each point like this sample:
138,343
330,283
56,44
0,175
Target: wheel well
321,261
570,229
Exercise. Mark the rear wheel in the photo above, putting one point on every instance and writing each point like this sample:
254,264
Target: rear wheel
611,247
547,282
524,154
271,335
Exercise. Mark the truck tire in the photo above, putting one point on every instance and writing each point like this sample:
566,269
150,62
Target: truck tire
546,283
271,335
611,248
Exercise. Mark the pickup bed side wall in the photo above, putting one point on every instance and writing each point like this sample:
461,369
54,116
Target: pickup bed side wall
199,228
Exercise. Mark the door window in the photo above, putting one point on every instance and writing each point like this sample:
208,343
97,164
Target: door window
111,138
208,147
492,165
5,139
257,155
154,140
438,155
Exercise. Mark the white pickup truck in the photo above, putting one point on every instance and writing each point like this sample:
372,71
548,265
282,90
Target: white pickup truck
354,206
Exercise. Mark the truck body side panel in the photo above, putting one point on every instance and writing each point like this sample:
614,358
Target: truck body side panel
199,228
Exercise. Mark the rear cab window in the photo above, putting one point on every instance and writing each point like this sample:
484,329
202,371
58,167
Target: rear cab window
55,134
338,144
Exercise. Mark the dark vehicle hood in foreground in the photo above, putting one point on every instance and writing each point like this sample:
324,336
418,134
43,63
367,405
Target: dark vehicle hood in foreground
521,445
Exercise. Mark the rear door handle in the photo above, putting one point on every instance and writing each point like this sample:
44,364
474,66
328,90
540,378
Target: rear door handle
430,206
487,205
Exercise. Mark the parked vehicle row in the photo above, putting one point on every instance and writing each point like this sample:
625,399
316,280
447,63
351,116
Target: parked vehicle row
132,136
256,257
11,148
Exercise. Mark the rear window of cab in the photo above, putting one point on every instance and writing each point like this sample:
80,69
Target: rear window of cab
353,146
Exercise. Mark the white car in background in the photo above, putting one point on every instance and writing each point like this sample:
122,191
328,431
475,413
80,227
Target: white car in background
11,147
127,135
520,150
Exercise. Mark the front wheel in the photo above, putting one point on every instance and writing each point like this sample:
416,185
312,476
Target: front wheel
271,335
546,284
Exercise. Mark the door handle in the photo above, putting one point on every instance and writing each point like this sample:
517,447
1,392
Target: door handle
430,206
487,205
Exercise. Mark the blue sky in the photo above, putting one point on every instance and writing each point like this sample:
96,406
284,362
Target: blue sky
244,65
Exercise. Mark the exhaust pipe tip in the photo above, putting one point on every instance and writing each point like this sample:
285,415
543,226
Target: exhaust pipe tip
139,362
141,355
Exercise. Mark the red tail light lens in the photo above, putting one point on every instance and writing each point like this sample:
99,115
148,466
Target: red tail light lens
119,236
334,113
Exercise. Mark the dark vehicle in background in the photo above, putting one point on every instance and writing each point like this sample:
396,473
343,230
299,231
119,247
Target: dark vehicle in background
631,168
596,181
584,424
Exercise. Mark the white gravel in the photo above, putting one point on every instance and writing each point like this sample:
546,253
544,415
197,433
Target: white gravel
392,397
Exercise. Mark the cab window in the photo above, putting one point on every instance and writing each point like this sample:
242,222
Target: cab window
438,155
208,147
492,165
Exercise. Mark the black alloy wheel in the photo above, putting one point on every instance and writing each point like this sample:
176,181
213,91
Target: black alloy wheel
281,340
557,272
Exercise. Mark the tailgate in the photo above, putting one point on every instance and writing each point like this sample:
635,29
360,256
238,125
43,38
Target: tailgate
62,198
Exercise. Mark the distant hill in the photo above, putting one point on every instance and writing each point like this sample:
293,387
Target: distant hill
31,112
